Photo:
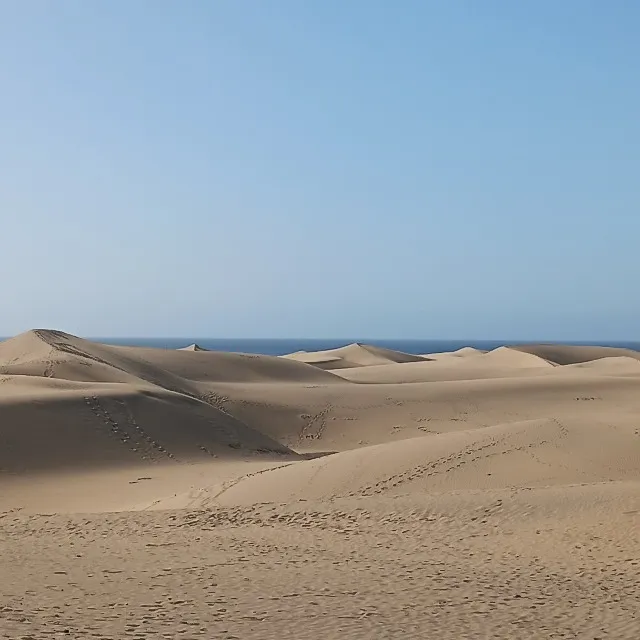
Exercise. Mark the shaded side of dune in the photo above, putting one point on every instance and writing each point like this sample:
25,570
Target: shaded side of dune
97,426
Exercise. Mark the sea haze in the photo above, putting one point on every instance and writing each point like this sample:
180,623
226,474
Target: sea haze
277,347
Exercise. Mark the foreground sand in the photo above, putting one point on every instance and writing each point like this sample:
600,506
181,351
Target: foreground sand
148,493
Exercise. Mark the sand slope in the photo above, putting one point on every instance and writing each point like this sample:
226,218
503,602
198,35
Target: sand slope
84,426
502,362
531,453
616,365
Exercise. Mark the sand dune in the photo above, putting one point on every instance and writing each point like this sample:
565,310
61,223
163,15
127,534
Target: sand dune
500,363
527,454
353,355
464,352
193,347
357,492
570,354
55,354
516,358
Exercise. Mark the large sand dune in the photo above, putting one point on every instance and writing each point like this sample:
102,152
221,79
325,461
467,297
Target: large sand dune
357,492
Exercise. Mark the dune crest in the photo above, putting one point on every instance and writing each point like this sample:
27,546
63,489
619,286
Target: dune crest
193,347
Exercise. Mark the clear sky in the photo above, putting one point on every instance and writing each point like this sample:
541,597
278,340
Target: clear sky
321,168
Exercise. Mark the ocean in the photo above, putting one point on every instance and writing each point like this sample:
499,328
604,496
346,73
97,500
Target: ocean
278,347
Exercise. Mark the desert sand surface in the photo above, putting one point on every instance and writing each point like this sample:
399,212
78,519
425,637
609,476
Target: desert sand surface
352,493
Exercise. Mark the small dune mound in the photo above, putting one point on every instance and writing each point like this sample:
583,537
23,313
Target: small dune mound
464,352
506,356
353,355
571,354
193,347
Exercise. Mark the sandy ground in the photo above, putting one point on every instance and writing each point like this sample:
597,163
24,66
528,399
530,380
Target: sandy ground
359,493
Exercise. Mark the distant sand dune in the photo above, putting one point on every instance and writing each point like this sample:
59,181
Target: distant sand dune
464,352
193,347
353,355
570,354
470,365
516,358
530,453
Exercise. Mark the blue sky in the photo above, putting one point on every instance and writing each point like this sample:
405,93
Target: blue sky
327,168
